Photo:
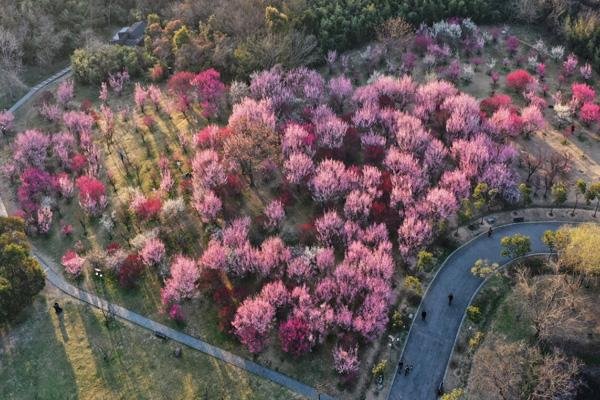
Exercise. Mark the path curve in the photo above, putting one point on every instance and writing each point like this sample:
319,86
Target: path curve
429,344
39,87
293,385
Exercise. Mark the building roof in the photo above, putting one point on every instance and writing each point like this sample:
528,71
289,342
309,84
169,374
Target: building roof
130,35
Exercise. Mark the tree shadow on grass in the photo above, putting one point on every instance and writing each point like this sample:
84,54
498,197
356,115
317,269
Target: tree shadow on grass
34,362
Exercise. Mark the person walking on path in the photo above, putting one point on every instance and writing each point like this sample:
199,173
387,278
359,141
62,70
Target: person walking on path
407,369
423,315
450,298
400,366
490,231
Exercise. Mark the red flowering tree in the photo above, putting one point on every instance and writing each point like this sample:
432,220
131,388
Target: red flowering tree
92,194
209,90
294,335
130,271
589,113
518,80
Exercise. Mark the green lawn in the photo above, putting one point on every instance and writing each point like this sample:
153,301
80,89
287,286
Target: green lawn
43,357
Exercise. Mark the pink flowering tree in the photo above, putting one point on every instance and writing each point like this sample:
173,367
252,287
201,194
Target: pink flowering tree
117,81
207,203
413,234
31,149
345,360
78,122
140,95
275,214
44,219
208,171
532,120
297,139
153,252
6,122
252,323
273,257
64,92
330,130
73,263
35,185
329,227
181,284
298,168
330,181
582,93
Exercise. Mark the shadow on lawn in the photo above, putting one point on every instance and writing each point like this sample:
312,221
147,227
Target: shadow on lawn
34,362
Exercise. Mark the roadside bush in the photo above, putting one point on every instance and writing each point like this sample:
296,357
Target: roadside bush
413,283
474,314
475,340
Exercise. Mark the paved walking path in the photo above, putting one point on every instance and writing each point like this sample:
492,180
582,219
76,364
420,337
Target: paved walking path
39,87
429,344
58,280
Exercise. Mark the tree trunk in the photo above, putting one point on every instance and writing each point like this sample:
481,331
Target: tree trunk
596,210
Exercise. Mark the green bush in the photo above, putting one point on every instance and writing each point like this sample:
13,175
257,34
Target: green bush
413,283
379,369
475,340
95,63
474,314
21,276
425,261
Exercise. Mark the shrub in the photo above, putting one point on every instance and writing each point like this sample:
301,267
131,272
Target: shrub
474,314
379,369
455,394
413,283
475,340
425,260
518,80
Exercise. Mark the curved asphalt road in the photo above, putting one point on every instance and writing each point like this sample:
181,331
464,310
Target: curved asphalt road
429,344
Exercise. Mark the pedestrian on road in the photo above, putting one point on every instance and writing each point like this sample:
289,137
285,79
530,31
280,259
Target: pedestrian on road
450,298
58,309
400,365
490,231
407,369
423,315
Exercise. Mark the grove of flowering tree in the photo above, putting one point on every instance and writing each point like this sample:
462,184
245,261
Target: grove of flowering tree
290,207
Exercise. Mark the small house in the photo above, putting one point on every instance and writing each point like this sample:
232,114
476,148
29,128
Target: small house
130,35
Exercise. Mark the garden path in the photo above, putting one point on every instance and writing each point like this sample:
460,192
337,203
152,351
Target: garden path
430,343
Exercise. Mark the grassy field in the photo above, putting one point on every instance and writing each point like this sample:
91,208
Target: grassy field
78,357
